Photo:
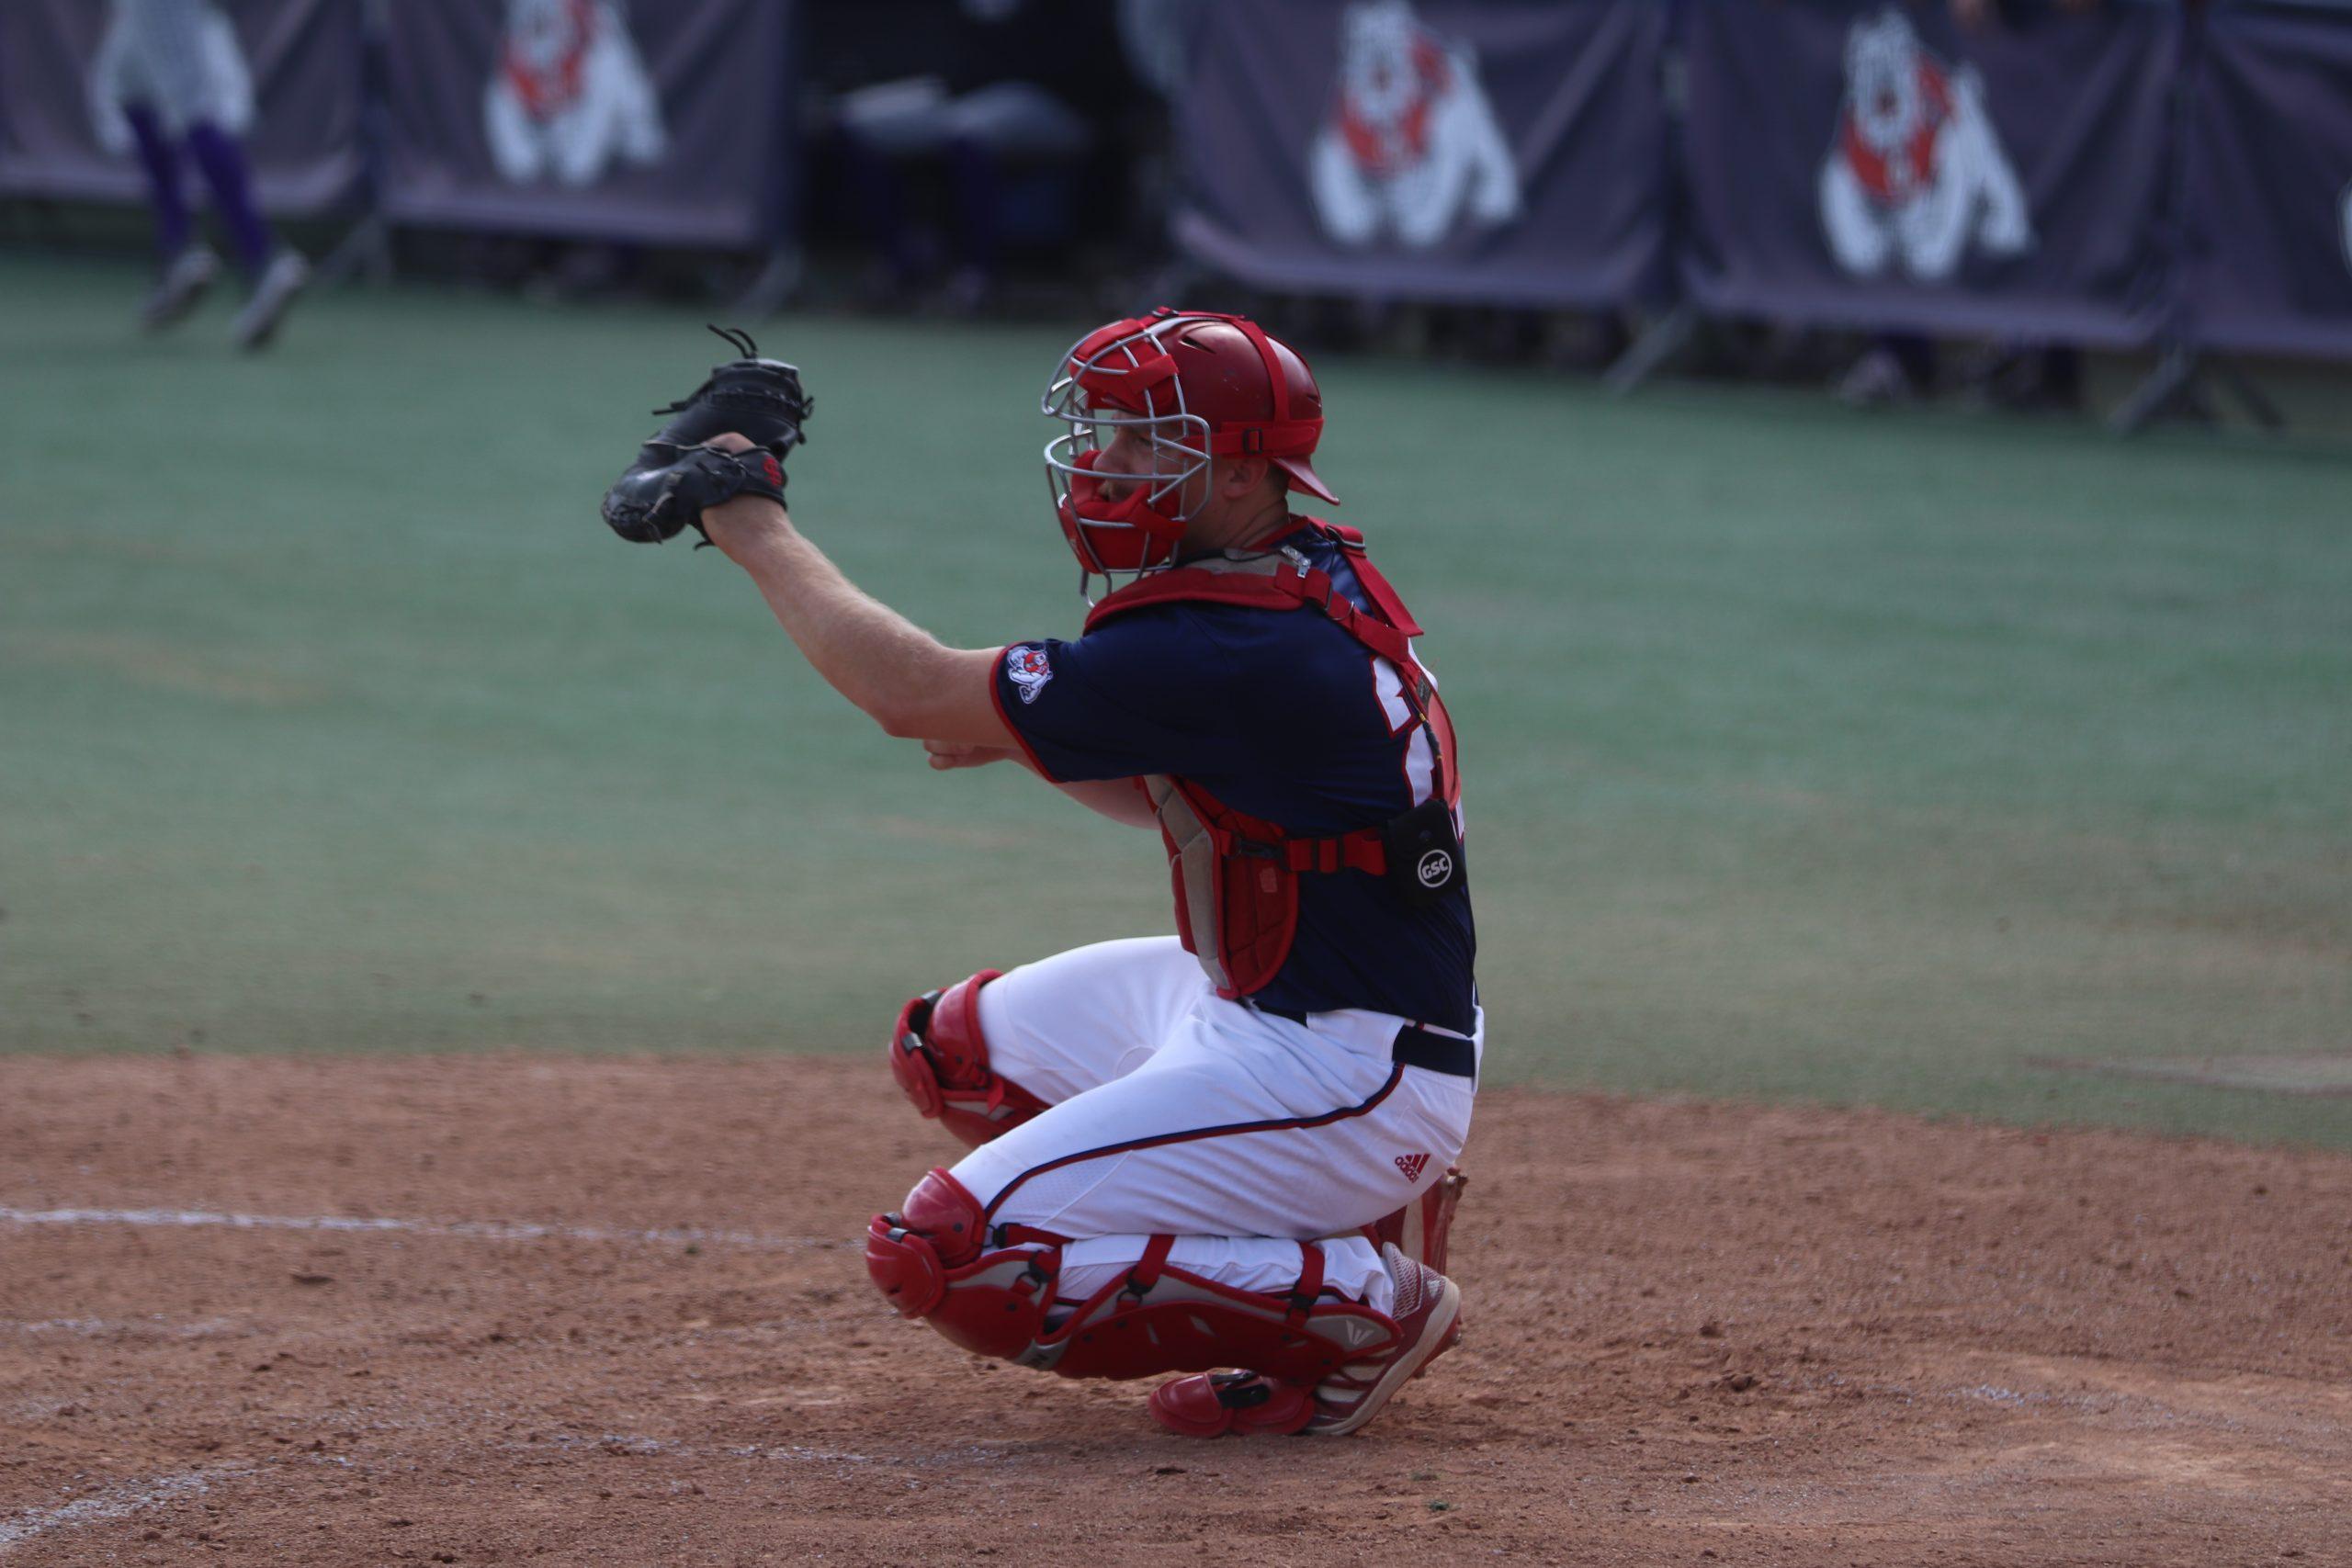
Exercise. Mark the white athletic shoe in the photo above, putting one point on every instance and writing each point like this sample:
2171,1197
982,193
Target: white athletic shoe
1427,1310
285,277
186,278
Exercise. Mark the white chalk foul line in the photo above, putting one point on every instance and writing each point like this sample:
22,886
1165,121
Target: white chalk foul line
154,1326
341,1225
113,1502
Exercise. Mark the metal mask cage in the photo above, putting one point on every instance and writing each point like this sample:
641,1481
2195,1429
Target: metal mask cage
1179,442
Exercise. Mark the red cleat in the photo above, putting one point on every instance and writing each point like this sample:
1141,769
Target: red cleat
1210,1405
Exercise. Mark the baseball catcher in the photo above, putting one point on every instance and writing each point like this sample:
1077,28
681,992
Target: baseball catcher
1226,1154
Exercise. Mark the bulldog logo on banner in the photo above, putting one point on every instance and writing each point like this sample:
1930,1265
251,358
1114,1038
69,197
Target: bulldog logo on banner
1916,174
570,95
1411,145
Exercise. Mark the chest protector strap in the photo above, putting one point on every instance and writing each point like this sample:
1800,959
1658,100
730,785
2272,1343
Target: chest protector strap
1236,876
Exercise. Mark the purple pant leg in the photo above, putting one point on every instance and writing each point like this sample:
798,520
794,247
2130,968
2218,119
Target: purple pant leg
159,155
223,159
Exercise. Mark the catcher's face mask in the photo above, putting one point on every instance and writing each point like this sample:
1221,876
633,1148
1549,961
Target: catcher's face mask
1117,386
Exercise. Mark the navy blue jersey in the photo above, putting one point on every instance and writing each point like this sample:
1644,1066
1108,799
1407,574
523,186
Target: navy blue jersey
1284,715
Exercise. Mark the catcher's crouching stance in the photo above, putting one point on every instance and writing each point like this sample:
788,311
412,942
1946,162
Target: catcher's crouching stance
1233,1147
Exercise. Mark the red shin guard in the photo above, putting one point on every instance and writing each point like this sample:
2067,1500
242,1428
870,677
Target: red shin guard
991,1293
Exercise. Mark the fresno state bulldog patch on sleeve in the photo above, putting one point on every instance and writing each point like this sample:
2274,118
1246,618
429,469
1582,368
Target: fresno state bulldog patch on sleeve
1030,669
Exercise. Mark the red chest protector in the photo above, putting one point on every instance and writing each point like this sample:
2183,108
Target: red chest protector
1235,876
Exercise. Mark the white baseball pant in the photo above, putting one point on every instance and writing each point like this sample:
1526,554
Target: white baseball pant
1175,1112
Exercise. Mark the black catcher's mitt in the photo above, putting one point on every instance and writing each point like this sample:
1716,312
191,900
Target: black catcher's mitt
675,476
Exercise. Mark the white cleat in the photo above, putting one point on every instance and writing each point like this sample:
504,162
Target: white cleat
1429,1320
286,276
186,278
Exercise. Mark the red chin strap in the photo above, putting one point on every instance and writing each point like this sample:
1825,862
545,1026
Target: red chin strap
1125,534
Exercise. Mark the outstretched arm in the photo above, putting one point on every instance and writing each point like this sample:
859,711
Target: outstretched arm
909,681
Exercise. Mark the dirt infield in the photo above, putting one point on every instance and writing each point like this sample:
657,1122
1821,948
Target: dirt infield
469,1310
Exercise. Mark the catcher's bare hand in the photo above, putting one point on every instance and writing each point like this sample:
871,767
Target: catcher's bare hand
948,755
734,520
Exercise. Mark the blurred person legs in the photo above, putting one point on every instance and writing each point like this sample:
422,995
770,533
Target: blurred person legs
276,273
174,68
2034,378
1590,341
992,132
878,129
979,139
188,265
1899,367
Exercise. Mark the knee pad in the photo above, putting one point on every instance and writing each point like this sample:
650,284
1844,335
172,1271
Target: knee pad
908,1254
933,1259
941,1061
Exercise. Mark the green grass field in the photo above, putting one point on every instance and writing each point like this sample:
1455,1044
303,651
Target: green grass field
1890,760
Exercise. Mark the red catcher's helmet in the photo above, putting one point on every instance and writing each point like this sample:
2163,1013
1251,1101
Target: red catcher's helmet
1198,385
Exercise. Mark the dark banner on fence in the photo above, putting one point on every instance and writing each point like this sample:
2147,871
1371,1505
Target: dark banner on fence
2269,180
661,121
283,74
1872,165
1504,153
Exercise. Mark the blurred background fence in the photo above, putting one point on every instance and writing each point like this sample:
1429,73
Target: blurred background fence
2107,173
